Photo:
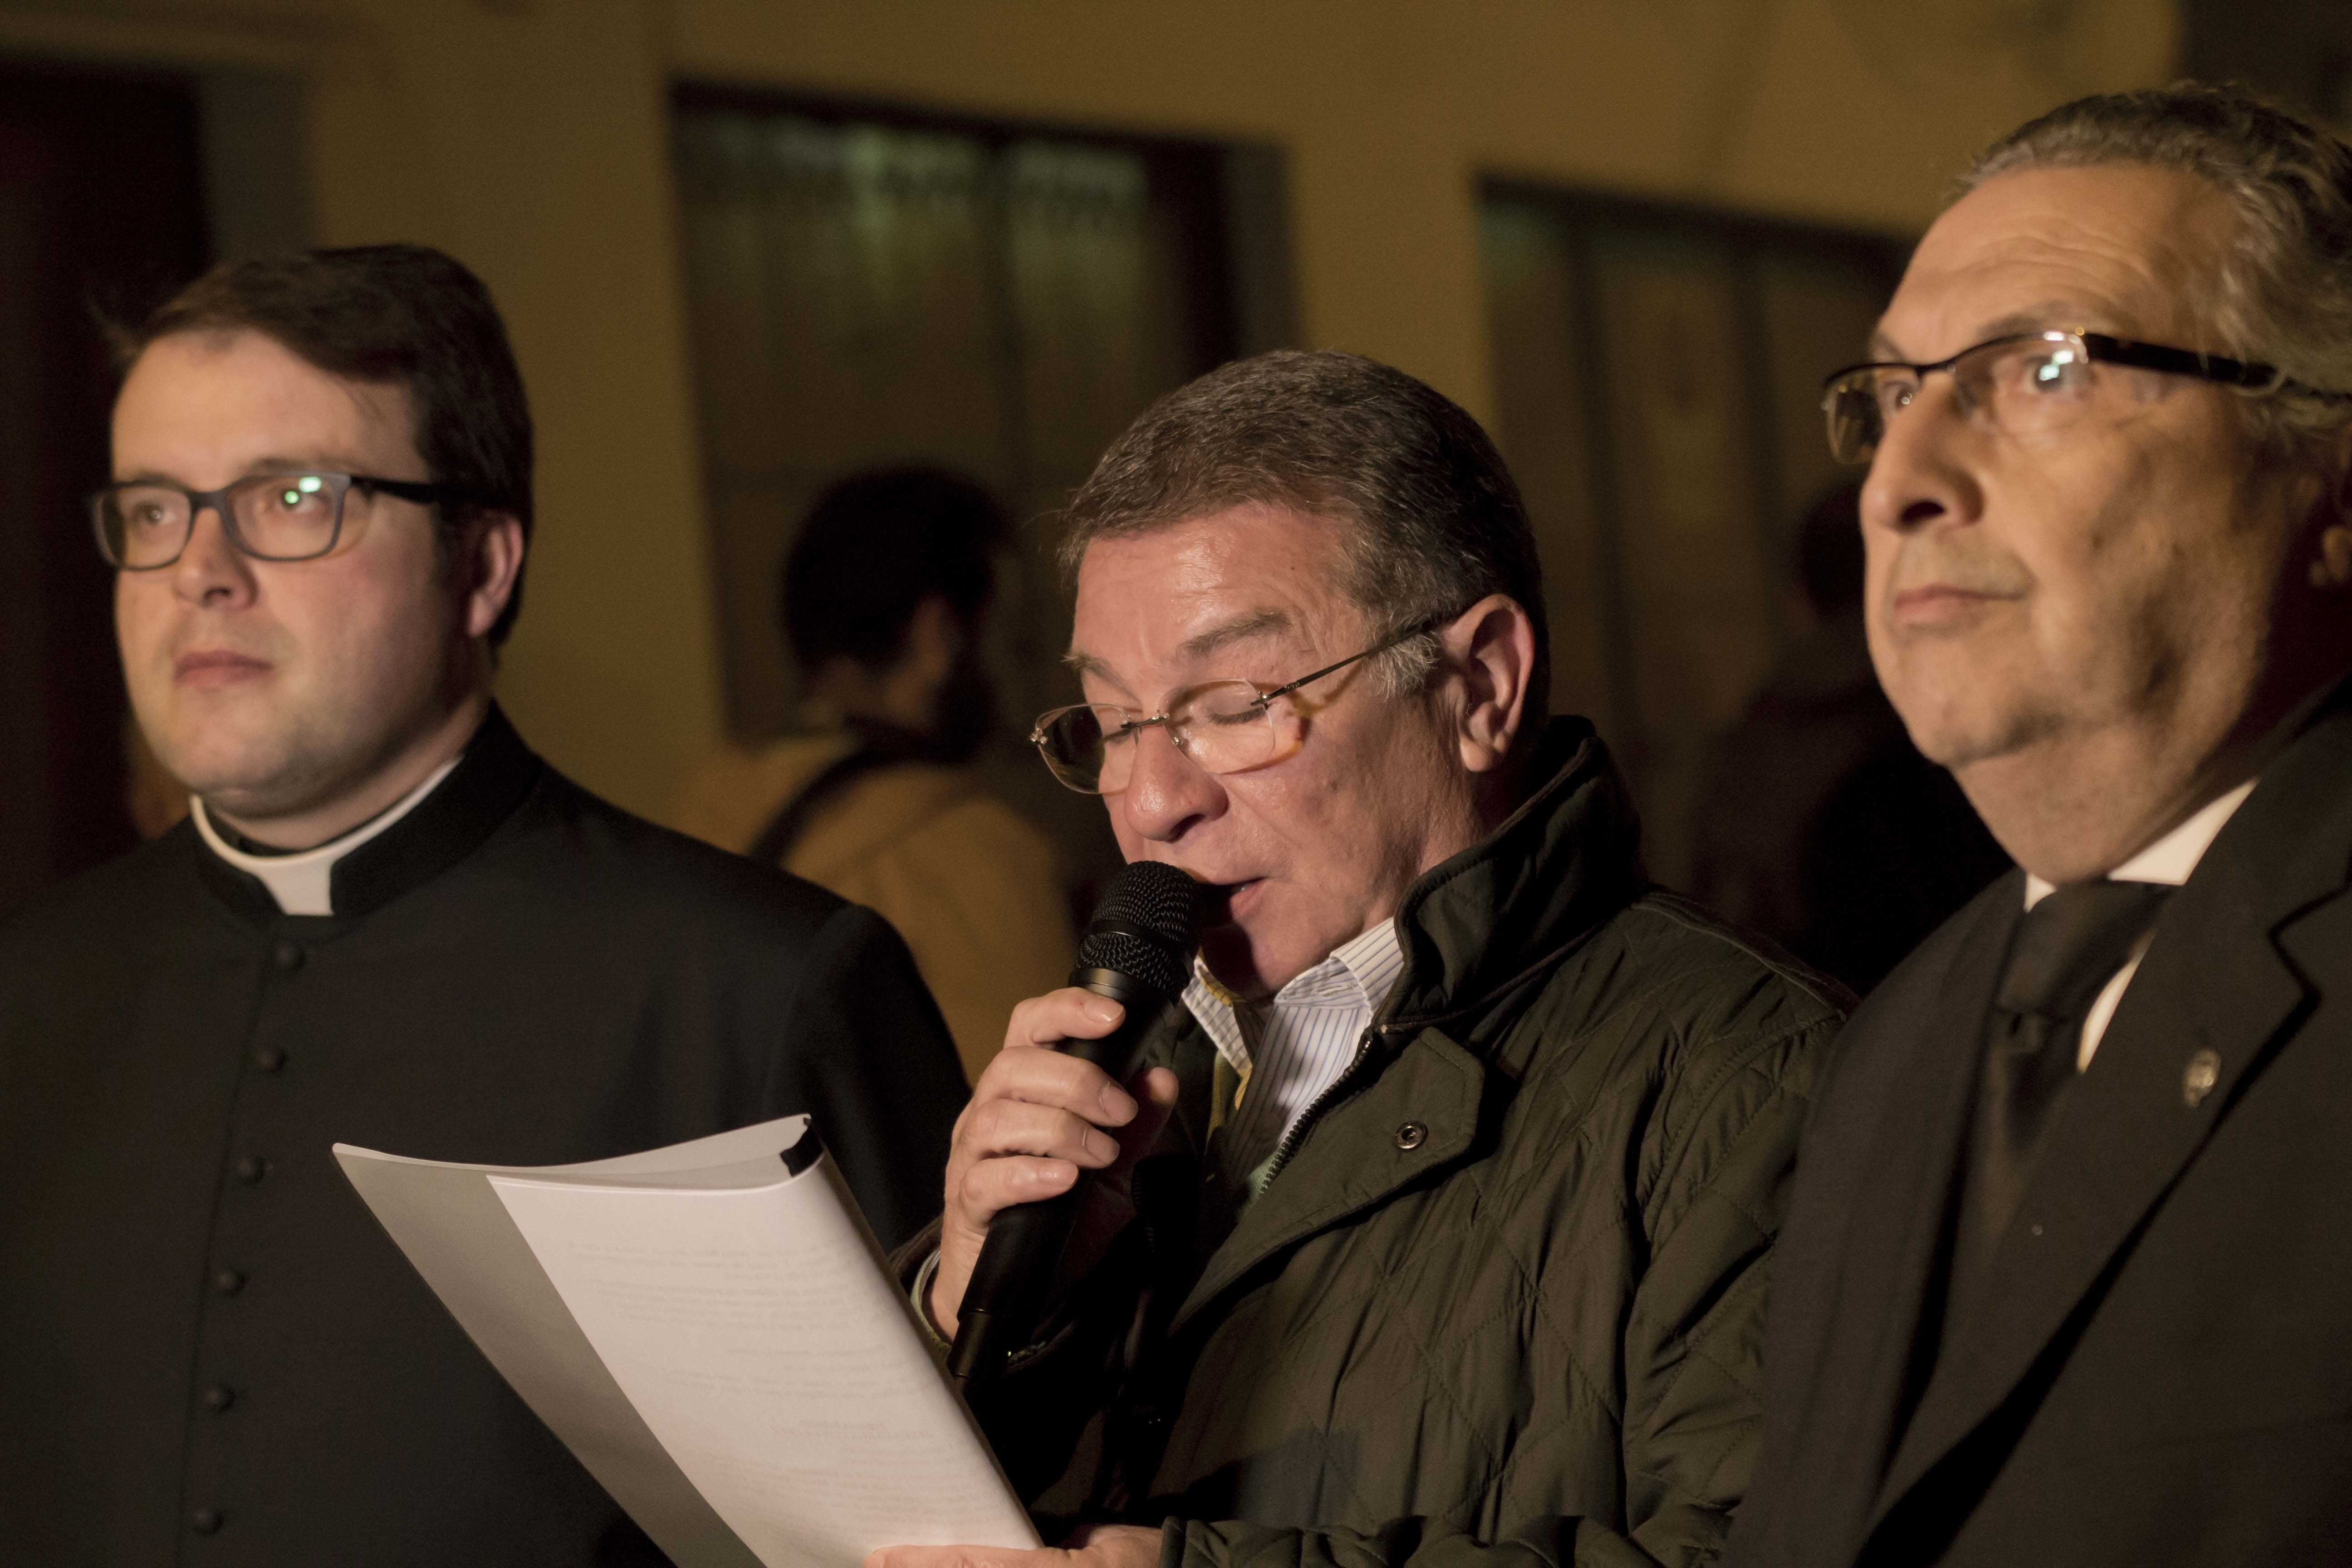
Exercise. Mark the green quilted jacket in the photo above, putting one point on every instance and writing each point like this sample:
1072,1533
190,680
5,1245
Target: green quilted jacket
1502,1299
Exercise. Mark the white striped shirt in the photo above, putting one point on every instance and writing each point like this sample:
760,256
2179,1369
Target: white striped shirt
1291,1049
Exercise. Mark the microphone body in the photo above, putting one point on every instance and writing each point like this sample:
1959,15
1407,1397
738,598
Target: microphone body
1138,952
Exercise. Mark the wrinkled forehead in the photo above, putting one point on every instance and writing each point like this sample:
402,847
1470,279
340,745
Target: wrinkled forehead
2130,250
1185,599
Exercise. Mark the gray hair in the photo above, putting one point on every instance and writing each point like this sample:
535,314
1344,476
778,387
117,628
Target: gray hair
1437,523
2284,295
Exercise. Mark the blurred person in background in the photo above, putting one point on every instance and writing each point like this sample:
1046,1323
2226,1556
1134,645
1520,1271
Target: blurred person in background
884,597
384,921
1819,824
2065,1277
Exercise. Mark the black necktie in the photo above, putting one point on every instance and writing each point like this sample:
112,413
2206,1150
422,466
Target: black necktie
2066,948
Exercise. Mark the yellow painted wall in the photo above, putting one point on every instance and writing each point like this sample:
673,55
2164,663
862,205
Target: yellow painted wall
528,138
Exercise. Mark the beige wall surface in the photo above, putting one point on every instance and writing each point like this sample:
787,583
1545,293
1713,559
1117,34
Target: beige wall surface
527,137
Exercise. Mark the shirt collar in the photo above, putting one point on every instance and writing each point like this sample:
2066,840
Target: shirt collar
2171,858
431,834
303,882
1359,974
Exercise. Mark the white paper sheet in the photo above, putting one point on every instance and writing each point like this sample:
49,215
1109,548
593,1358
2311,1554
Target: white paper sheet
759,1338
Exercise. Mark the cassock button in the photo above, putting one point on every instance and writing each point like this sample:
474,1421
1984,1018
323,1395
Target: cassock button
249,1168
268,1058
219,1396
1411,1135
205,1522
227,1282
287,957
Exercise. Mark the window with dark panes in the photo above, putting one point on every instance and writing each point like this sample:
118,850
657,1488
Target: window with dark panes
1658,374
869,289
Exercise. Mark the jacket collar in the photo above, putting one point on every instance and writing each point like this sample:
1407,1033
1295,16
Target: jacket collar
1502,912
497,773
1476,929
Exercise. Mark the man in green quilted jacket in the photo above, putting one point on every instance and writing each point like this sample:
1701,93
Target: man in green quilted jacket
1441,1231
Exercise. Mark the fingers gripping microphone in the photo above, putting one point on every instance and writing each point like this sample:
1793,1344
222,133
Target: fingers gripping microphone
1138,951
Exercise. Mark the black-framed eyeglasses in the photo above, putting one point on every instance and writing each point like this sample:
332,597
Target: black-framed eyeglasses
2026,383
144,525
1223,726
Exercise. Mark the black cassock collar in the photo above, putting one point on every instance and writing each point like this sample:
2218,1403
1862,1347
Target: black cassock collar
496,775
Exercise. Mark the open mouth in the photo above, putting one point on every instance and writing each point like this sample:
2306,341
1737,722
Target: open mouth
1227,901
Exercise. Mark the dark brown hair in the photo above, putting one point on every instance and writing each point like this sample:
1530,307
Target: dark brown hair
1437,523
398,315
875,546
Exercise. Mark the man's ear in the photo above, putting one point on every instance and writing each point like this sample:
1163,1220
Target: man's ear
2330,525
496,562
1490,648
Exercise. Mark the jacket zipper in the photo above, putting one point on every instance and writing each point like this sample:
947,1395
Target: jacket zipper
1339,1088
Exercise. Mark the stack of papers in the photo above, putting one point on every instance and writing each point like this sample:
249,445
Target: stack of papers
713,1331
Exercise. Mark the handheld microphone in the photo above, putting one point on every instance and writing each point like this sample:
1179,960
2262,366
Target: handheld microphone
1138,951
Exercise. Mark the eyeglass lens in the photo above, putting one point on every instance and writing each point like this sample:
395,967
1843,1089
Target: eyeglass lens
1221,726
2024,387
275,517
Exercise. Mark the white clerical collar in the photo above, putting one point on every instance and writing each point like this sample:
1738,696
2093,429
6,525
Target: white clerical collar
303,883
2170,858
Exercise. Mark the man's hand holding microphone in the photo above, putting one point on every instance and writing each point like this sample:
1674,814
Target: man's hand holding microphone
1037,1172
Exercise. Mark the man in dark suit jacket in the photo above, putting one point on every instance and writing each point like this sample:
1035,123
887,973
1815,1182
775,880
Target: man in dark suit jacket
385,921
2066,1278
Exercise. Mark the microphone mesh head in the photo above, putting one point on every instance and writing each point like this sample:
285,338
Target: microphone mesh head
1148,926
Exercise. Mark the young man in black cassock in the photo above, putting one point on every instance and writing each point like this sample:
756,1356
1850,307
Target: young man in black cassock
386,922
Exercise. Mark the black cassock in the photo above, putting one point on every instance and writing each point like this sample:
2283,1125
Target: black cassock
209,1351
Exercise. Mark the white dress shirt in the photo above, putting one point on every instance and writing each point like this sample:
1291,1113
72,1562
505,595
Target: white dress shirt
2169,861
1290,1050
303,882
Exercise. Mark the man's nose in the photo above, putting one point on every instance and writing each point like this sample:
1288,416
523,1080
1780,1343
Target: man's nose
1167,792
1924,472
211,570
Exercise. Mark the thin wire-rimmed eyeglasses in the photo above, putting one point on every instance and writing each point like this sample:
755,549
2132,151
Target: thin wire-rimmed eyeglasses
144,525
2022,385
1223,726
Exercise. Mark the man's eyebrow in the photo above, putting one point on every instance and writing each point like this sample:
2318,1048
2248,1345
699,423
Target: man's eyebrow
2034,320
257,469
1257,624
2037,319
311,465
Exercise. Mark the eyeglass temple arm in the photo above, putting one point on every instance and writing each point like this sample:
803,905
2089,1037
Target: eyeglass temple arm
1127,727
1419,629
2182,361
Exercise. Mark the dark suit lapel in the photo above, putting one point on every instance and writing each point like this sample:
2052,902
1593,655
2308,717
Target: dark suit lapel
2209,1002
1897,1182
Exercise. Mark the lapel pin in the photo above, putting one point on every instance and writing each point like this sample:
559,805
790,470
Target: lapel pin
2197,1080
